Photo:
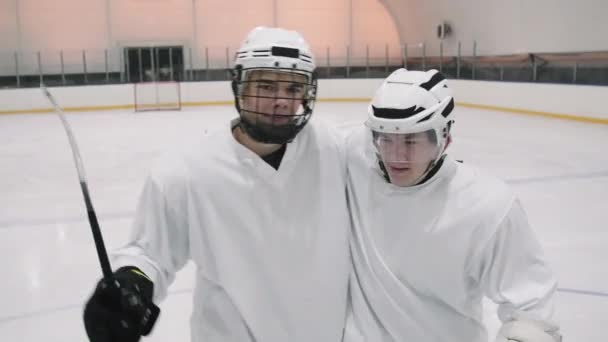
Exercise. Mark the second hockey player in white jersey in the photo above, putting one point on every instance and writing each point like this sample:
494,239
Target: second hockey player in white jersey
259,207
433,236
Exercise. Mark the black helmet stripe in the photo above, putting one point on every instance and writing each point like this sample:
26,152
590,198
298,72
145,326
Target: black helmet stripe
448,109
425,118
428,85
285,52
394,113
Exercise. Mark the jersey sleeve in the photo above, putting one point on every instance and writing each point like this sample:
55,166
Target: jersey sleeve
513,272
159,242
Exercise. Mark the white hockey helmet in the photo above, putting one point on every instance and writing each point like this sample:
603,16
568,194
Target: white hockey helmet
277,50
272,47
406,104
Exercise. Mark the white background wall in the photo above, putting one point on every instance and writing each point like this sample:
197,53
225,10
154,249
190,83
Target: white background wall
205,26
572,100
8,24
499,27
505,27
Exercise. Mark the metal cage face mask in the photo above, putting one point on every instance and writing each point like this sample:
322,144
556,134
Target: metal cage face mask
275,104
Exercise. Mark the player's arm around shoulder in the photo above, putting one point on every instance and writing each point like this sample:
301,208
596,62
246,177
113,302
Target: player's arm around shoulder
515,275
330,139
356,144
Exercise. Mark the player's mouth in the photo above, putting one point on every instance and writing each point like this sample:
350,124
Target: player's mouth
281,119
398,168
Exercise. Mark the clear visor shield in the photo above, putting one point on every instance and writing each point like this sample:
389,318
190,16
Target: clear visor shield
272,100
407,151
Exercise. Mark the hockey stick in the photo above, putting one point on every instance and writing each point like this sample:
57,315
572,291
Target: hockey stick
101,249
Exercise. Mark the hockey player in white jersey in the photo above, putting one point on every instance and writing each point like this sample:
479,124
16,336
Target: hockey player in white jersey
259,207
433,236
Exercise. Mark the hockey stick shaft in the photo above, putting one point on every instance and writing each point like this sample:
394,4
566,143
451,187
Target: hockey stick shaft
99,244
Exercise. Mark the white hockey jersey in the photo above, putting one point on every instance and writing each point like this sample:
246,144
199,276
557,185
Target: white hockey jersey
424,256
271,247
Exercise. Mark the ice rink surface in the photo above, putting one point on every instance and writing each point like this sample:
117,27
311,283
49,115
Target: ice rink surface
49,266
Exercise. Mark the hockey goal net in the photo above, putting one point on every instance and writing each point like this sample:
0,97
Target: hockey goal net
157,96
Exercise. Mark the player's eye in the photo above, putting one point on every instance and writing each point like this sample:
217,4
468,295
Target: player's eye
265,87
384,140
295,89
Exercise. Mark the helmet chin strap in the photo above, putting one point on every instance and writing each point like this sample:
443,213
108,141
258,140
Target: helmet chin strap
431,170
436,164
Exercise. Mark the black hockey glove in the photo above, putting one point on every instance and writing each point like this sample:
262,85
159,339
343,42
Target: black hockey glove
121,308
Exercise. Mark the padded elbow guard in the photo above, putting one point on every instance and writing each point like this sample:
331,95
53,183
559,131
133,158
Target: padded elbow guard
527,331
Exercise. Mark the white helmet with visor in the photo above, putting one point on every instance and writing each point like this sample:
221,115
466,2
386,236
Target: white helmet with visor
410,120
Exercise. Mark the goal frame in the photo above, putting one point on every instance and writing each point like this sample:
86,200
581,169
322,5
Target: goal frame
157,103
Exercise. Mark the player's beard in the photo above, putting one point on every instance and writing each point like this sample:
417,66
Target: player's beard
272,128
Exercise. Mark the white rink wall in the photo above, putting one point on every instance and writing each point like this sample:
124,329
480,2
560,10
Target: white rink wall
571,100
105,97
575,101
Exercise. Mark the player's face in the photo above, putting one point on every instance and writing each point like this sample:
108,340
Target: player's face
273,97
406,157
